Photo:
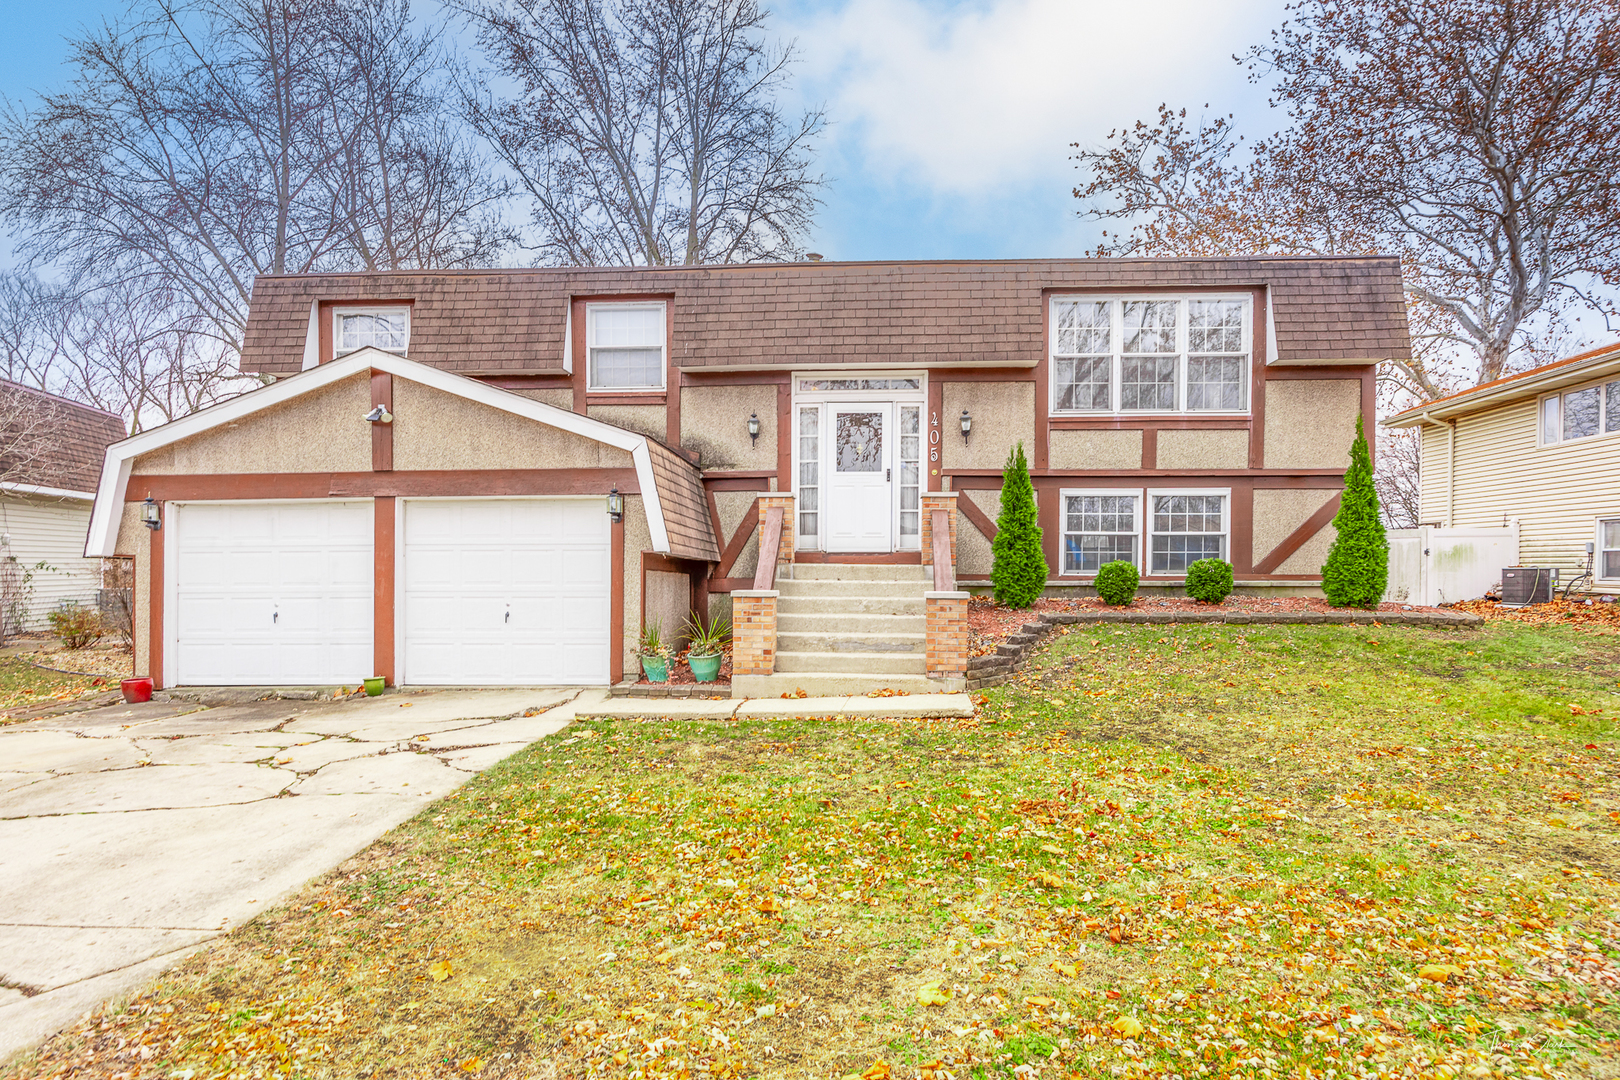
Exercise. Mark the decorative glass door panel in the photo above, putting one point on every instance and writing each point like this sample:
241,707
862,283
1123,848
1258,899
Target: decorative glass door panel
859,506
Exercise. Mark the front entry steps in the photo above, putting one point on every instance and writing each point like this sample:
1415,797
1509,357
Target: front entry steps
849,628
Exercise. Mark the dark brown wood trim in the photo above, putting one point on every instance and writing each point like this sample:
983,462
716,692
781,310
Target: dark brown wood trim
1028,373
323,331
977,517
1240,544
698,377
382,435
616,603
784,437
894,558
518,380
650,397
1150,449
1149,423
154,611
469,483
382,590
978,479
1340,372
672,378
715,524
1300,536
1369,411
739,481
739,540
1041,456
729,584
576,333
936,430
670,564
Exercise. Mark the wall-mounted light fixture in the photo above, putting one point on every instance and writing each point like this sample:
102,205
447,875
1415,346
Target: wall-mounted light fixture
753,429
615,506
967,425
380,415
151,514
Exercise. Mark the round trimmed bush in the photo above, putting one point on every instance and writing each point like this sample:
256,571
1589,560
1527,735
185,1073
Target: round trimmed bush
1209,580
1116,582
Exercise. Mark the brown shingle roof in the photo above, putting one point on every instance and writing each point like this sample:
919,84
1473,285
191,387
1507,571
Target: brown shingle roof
829,312
686,511
79,439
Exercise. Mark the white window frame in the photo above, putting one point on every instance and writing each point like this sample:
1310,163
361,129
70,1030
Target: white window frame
1148,532
1556,398
1598,549
340,313
662,307
1117,342
1063,527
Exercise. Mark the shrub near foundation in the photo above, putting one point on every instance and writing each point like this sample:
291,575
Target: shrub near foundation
1209,580
1116,582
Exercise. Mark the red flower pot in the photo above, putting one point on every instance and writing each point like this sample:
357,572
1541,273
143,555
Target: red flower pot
136,690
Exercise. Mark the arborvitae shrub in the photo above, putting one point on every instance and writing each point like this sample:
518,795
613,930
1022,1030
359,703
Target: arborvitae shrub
1357,567
1019,572
1209,580
1116,582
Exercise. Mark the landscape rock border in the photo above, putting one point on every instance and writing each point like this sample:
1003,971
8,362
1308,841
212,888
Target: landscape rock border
993,669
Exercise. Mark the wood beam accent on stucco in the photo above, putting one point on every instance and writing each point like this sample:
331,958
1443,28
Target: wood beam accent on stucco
1300,536
382,589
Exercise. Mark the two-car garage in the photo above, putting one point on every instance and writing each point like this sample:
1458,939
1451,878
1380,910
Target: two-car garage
488,592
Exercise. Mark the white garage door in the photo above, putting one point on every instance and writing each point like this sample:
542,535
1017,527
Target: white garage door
272,593
507,592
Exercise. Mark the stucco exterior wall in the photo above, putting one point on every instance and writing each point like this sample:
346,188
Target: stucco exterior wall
1003,414
435,430
135,542
648,419
974,558
1192,448
1099,449
1277,513
1310,423
714,422
323,431
637,538
733,507
559,398
669,600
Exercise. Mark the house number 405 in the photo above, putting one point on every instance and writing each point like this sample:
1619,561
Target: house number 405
933,436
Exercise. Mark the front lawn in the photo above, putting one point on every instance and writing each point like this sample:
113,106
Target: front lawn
1202,851
23,684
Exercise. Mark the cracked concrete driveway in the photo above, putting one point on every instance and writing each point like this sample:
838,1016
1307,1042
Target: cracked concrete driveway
131,834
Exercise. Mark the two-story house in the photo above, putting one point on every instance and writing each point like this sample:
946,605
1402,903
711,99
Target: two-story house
470,477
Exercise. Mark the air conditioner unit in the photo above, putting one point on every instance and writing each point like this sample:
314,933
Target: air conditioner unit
1523,585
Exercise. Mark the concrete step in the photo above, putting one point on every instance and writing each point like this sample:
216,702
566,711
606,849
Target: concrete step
796,604
836,641
863,587
861,572
793,621
854,663
834,684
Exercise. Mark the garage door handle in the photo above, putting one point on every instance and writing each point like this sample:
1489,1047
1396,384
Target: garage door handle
508,617
275,616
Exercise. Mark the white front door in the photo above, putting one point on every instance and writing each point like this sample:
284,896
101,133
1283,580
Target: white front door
269,593
506,592
860,492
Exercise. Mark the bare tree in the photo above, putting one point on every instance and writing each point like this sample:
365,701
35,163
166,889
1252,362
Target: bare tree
208,141
29,424
647,131
1476,138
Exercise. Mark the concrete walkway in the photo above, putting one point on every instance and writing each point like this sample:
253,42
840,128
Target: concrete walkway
857,707
130,835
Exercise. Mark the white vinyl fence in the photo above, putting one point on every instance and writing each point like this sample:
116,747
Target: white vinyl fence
1430,565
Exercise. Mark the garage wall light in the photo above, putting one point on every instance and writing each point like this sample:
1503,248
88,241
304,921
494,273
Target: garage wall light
615,506
967,425
753,428
151,514
380,415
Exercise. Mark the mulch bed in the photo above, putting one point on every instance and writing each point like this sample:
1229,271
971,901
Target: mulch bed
1594,614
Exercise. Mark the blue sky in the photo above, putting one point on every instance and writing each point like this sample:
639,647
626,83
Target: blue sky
951,122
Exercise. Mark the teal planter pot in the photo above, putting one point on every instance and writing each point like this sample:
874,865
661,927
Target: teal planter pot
656,668
705,668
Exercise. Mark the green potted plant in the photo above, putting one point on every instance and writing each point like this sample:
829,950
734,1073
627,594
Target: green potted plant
708,646
654,652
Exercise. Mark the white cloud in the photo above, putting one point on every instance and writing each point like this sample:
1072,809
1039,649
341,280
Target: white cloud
970,98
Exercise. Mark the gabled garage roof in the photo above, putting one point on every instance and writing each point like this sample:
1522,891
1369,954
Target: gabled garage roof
659,485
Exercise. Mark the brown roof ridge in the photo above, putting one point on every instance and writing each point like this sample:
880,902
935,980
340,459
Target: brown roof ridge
1590,354
827,263
37,392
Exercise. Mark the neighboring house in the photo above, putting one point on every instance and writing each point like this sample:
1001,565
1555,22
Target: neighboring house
1541,447
1171,410
45,501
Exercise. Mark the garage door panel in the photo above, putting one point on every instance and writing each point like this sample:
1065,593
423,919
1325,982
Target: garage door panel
470,563
273,593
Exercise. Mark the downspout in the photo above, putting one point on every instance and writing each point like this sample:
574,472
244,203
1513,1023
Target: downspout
1451,474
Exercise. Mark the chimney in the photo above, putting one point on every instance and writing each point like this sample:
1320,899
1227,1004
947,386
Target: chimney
812,256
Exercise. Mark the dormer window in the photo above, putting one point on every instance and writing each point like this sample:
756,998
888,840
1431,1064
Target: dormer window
625,346
1156,353
387,328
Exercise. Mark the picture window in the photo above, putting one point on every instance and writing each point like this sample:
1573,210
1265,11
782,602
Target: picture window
1150,355
388,329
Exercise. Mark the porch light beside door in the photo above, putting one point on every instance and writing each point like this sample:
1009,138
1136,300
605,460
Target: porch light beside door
151,514
615,506
967,425
753,429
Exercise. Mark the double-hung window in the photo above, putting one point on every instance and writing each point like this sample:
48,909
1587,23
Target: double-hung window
387,328
1150,354
1607,563
1579,414
1100,527
625,346
1185,526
